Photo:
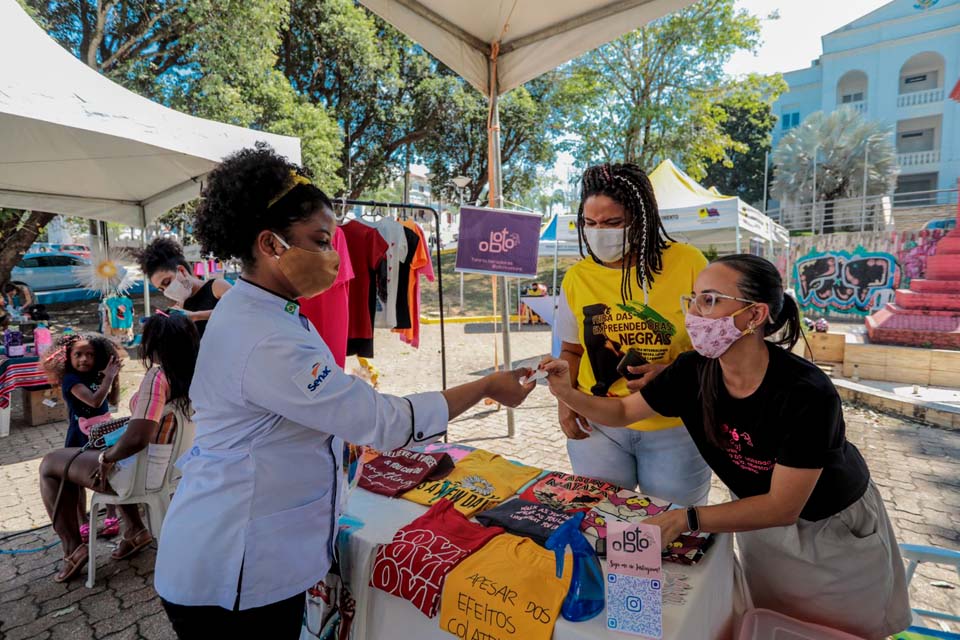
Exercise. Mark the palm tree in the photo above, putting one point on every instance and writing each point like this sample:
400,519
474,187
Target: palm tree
846,145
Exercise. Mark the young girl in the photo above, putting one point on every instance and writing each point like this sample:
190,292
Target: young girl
169,353
164,264
86,367
814,538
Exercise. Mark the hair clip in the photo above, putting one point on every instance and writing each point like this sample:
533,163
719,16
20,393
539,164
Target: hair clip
161,312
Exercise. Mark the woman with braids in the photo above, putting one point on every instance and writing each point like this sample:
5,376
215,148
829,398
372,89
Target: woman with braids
814,537
623,301
251,526
163,263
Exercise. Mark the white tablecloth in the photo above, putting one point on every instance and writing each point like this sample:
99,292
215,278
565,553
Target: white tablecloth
698,600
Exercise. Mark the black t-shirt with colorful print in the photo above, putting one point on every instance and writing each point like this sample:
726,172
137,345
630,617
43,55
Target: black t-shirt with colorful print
794,419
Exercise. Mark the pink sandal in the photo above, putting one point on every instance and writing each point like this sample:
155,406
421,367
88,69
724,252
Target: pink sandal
85,533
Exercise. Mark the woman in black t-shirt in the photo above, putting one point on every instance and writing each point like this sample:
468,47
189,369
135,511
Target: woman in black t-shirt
814,537
166,267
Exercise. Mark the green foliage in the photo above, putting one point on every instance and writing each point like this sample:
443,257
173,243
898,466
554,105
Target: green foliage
843,141
711,253
369,76
652,94
460,146
749,120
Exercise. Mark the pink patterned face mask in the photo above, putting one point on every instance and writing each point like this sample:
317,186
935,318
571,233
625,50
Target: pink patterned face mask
711,337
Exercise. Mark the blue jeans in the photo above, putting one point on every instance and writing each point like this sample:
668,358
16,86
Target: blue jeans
663,464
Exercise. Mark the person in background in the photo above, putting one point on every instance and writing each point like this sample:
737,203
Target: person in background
250,527
620,323
168,351
814,537
86,367
164,264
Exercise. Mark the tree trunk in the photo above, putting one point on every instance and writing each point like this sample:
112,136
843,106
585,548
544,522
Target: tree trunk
16,236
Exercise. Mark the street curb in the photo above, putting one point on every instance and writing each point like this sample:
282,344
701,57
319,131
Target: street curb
934,413
466,319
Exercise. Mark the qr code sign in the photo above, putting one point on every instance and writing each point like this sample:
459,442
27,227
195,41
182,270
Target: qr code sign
634,605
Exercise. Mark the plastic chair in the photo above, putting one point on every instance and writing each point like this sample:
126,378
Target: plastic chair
155,501
915,555
763,624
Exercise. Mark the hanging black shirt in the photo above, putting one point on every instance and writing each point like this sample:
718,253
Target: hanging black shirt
403,280
794,419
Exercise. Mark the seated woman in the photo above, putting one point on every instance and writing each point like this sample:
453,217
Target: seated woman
814,537
167,269
169,353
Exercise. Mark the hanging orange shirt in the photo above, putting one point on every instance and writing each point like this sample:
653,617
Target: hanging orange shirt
507,589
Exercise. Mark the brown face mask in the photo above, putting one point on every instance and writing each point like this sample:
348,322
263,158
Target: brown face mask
310,272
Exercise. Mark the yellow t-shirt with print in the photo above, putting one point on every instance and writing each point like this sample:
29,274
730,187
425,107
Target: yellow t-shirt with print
608,327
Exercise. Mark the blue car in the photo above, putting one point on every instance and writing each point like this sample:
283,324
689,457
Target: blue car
48,271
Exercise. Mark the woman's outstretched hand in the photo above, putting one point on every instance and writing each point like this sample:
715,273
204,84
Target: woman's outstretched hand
505,386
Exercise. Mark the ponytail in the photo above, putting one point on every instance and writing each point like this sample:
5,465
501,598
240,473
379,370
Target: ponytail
759,281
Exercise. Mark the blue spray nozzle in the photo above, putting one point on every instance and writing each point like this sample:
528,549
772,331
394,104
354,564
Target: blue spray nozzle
585,597
567,534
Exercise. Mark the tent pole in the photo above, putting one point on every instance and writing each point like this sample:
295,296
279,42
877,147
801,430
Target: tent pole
496,200
146,283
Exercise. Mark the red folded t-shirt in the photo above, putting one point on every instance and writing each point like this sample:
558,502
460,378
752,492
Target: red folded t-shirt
568,493
398,471
415,564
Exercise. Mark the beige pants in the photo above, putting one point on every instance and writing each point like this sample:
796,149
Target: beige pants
844,572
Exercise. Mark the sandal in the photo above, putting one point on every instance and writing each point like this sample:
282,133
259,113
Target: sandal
129,546
111,527
73,563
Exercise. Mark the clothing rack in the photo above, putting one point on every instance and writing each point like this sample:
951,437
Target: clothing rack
404,208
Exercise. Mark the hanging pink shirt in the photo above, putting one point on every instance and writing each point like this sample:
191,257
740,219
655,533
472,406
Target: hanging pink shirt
330,311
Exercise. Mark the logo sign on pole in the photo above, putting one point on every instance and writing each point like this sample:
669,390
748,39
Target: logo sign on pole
498,242
634,579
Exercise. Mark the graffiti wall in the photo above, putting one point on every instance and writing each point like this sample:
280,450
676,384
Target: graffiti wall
854,274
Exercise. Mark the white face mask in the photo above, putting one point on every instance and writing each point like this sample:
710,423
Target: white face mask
179,289
606,244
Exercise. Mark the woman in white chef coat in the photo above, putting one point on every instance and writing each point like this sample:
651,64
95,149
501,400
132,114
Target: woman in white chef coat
252,523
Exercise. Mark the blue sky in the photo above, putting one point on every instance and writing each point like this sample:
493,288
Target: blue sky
794,40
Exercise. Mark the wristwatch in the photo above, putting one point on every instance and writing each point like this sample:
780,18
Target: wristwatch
693,521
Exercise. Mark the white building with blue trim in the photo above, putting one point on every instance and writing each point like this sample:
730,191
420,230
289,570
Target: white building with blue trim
896,64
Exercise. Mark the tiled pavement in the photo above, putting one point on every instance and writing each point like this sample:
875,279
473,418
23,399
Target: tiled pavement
916,467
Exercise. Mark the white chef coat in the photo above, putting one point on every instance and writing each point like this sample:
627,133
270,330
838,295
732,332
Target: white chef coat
261,484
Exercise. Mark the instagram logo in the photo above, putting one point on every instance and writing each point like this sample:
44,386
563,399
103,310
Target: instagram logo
500,242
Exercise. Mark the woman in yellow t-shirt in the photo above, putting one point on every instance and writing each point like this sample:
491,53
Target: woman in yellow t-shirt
623,300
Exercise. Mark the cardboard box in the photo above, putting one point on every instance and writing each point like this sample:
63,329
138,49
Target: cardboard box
43,407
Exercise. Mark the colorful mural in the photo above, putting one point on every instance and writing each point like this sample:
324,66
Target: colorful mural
856,283
902,256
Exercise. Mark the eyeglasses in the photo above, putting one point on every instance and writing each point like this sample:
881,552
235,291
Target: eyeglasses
705,302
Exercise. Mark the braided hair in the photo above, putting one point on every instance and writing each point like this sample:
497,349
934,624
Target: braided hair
643,244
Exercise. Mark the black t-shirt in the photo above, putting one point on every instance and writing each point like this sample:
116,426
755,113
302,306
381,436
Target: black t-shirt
403,279
794,419
524,518
77,409
202,300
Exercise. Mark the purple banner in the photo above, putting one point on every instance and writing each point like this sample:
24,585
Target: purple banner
498,242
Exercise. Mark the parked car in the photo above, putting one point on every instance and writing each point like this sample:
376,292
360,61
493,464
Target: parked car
48,271
79,250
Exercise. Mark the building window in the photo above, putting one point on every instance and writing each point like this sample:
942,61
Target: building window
915,79
789,120
852,97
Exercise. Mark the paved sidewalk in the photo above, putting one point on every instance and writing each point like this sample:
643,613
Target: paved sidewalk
917,469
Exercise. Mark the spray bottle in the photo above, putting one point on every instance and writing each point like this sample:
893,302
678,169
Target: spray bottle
585,598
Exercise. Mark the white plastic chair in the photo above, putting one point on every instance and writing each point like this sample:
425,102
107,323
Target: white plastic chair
155,501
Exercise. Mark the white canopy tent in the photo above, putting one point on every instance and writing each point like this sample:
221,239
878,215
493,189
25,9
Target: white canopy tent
499,45
78,144
705,218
